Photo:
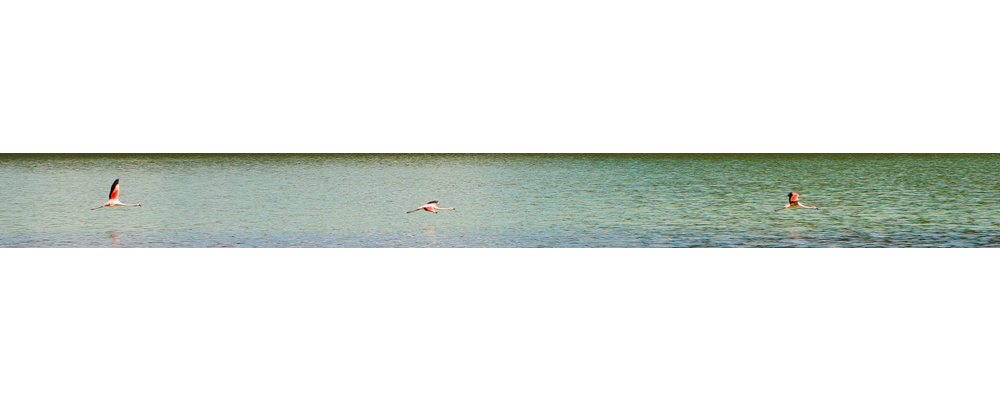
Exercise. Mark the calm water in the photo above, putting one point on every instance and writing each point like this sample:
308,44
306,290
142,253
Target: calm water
561,200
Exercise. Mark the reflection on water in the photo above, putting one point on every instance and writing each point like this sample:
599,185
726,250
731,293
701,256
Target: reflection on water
116,238
532,200
431,233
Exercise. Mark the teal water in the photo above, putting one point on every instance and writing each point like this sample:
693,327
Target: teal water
502,200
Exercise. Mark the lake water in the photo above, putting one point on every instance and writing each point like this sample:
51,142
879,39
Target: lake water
502,200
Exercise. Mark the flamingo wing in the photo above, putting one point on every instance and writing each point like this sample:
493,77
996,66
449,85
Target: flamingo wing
114,191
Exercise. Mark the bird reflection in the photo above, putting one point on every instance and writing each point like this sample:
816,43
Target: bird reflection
796,238
116,238
431,233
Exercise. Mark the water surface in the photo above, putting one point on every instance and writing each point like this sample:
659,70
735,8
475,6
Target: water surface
502,200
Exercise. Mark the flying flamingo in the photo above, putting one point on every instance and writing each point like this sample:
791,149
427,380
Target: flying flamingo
793,202
431,206
113,198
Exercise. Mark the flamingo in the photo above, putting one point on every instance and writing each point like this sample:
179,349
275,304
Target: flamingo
431,206
793,202
113,198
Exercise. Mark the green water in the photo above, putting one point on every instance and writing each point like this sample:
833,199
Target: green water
502,200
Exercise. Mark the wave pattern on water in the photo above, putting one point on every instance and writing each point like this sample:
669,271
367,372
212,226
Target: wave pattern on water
502,200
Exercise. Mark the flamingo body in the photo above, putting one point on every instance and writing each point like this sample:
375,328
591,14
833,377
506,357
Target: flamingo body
432,207
113,197
793,202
